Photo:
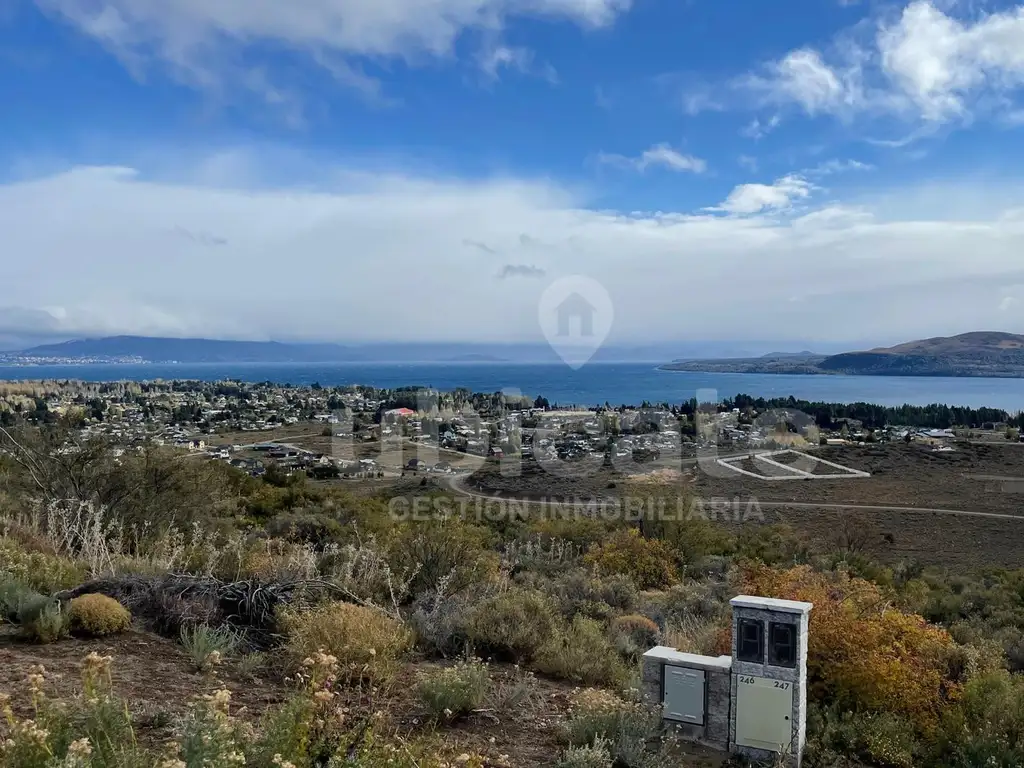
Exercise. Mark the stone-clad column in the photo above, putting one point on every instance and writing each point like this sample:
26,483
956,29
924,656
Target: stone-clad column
760,686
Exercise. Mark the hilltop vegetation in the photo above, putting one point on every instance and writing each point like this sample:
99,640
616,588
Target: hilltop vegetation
358,639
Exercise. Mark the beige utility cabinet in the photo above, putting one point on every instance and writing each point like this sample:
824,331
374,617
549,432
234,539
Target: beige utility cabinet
769,678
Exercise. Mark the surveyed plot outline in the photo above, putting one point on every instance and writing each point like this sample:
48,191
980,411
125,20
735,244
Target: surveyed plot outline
786,471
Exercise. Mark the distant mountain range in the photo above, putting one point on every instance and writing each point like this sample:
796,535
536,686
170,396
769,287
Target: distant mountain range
128,349
985,353
981,353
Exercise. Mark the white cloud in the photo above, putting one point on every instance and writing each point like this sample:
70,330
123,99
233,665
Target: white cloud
926,65
804,77
758,130
658,155
940,63
699,100
202,42
830,167
494,59
360,256
757,198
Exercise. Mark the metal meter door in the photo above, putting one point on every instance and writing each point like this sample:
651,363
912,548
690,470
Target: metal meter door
684,695
764,711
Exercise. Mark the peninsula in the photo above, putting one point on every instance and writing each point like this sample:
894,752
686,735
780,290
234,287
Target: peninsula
980,353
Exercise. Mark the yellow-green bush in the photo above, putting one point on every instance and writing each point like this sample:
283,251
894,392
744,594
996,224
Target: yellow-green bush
367,643
44,572
511,625
582,531
582,654
648,562
98,615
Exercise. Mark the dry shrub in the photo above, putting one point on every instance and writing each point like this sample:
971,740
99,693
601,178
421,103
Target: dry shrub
367,643
624,729
39,570
650,563
634,634
863,653
450,693
512,625
98,615
581,653
439,621
581,592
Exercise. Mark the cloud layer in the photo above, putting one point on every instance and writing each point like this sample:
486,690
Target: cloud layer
203,42
106,250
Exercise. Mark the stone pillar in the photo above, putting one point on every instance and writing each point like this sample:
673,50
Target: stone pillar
769,678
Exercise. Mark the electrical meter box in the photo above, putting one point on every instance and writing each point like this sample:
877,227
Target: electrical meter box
764,709
769,678
754,702
684,695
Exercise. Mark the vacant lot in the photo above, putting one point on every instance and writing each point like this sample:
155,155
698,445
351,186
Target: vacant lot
901,476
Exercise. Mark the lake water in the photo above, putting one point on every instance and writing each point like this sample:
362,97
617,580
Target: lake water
616,383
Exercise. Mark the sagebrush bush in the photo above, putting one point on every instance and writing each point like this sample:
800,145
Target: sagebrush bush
208,645
15,593
368,644
512,625
439,622
986,726
581,592
582,654
44,620
251,665
596,755
623,728
650,563
450,693
700,599
97,615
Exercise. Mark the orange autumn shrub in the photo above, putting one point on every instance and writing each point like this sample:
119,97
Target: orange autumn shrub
864,654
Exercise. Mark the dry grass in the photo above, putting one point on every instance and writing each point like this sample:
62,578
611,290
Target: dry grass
693,634
367,643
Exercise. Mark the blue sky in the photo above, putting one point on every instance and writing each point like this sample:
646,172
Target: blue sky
727,170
